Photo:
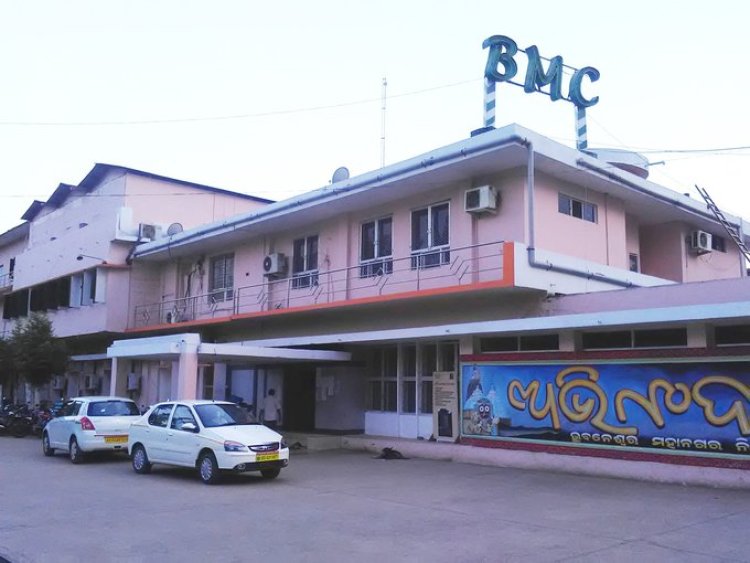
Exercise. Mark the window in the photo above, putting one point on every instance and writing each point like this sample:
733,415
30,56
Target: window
381,388
409,378
430,236
376,248
525,343
160,415
221,281
112,408
732,335
575,208
718,243
182,415
305,262
651,338
633,263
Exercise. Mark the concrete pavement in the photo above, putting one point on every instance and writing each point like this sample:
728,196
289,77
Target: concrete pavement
345,505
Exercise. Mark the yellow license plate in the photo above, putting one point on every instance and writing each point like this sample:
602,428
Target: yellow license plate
115,439
267,457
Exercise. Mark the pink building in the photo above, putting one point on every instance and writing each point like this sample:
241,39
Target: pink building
505,248
505,290
72,257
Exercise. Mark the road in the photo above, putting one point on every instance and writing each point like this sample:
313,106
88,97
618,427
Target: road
348,506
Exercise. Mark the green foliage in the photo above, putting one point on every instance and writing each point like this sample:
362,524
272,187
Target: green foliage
37,354
7,364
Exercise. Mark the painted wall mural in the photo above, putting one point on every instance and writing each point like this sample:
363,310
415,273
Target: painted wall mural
688,407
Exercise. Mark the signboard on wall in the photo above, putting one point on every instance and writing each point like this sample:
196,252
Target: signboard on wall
445,410
686,407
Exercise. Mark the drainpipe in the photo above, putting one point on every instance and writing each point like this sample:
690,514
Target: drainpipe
531,251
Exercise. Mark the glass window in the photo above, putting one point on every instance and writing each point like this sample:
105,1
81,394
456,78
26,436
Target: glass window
112,408
576,208
382,389
222,414
718,243
305,262
182,415
160,415
430,236
735,334
633,263
604,340
376,249
538,342
660,338
221,281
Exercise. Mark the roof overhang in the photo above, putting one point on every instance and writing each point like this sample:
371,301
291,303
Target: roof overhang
487,154
172,346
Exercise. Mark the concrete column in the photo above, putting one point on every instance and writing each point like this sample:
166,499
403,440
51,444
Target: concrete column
220,382
113,377
187,368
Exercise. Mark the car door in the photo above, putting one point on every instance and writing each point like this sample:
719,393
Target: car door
155,439
60,429
182,445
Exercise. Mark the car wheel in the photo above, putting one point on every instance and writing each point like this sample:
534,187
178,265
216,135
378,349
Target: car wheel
208,469
74,451
48,450
141,464
270,473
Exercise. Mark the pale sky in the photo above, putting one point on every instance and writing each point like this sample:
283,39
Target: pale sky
295,88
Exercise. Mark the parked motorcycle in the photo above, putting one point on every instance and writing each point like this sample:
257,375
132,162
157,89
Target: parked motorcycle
16,420
40,418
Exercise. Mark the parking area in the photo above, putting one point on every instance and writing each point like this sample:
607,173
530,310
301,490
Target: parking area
347,505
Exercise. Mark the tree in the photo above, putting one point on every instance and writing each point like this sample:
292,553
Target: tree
7,367
37,354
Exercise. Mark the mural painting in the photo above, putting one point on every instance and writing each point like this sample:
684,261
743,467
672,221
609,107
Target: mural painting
688,407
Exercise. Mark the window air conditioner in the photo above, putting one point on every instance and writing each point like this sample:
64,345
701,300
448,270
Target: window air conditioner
700,242
274,264
146,232
481,199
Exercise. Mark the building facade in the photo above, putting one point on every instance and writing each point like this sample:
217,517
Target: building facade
504,249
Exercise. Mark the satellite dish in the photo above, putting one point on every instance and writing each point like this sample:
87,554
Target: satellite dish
174,228
341,174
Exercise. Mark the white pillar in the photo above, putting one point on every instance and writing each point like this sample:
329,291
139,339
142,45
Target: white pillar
113,378
187,369
220,382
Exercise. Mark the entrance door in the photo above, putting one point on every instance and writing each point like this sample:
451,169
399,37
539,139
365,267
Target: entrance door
298,409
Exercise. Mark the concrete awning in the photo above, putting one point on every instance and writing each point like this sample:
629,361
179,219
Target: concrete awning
171,346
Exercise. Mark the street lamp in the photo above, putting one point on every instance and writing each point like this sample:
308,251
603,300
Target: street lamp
82,256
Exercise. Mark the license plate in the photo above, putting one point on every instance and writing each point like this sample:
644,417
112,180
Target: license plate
267,457
115,439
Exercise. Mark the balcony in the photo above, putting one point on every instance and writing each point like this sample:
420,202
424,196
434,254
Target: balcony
427,272
6,282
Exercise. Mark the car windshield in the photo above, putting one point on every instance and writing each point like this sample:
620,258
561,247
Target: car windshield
112,408
222,414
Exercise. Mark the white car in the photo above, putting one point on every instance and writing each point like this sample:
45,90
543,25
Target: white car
211,436
88,424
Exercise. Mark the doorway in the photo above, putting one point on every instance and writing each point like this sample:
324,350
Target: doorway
298,408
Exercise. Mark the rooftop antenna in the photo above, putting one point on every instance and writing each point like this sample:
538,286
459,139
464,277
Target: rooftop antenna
382,130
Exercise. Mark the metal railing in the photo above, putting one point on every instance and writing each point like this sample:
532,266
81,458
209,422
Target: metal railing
6,280
419,271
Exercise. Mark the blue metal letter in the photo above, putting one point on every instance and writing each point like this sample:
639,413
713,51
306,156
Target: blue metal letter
575,87
536,77
502,50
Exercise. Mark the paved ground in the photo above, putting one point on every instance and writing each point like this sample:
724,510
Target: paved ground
348,506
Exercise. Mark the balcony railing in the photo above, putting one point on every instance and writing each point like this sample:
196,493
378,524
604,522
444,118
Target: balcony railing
420,271
6,281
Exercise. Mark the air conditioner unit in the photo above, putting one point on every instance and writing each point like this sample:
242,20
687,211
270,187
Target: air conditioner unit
58,382
146,232
274,264
700,242
481,199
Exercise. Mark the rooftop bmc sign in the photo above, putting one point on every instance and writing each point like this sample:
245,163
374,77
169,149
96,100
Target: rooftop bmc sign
502,67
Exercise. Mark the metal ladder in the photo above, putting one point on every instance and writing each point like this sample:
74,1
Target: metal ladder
731,230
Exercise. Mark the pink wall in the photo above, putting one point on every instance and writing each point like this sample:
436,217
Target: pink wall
603,242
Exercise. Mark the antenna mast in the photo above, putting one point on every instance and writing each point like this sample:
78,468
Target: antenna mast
382,129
